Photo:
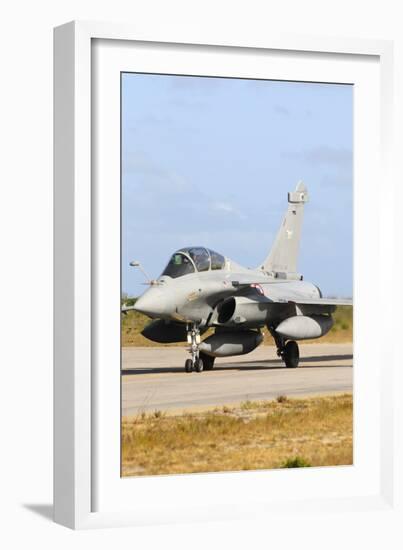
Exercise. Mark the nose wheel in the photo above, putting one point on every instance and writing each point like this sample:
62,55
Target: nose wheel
188,365
195,363
197,366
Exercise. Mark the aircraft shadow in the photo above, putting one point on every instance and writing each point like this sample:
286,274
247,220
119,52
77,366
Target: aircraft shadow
269,364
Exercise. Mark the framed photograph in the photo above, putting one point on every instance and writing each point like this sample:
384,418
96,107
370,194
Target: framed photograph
221,236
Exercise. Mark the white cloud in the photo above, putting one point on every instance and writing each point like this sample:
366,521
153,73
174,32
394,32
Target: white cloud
280,109
324,155
229,208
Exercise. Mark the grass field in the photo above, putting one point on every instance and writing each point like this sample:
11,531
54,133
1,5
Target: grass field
282,433
134,322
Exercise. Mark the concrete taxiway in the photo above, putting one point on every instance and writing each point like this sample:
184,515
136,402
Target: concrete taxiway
154,378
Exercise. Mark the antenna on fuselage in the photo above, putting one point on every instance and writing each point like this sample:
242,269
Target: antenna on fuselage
136,263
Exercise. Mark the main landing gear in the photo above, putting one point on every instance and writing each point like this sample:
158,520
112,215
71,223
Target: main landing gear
289,352
199,361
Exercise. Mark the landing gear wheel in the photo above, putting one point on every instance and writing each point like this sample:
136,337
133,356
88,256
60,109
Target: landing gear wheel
193,338
208,361
188,365
291,354
199,365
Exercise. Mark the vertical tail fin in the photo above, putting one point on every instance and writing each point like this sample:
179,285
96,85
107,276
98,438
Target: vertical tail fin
283,256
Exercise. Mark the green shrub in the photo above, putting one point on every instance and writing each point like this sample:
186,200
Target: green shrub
296,462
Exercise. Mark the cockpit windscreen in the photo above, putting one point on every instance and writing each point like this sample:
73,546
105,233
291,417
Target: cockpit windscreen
189,260
178,265
201,258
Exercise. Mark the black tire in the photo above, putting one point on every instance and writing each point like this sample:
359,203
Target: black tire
199,365
208,361
291,355
188,365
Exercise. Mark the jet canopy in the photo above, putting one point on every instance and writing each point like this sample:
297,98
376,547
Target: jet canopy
191,260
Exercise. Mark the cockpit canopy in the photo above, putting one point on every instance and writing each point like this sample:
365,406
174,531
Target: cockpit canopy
192,259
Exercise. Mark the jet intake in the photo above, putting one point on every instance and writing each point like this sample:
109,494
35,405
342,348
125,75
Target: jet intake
226,310
228,343
242,309
302,327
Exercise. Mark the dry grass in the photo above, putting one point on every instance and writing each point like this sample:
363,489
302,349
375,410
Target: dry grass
134,322
315,431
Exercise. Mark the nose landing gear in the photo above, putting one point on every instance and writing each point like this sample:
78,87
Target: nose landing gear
193,338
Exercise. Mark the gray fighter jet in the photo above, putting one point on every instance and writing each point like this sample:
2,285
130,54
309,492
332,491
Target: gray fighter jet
200,289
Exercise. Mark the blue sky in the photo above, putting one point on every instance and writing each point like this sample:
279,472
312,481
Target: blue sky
209,161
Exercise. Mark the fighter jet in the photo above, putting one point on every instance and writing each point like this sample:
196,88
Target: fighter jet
201,289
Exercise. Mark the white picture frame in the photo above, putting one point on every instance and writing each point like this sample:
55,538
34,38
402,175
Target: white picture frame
78,387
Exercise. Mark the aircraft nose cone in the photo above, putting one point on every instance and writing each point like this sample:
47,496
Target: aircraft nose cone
153,303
